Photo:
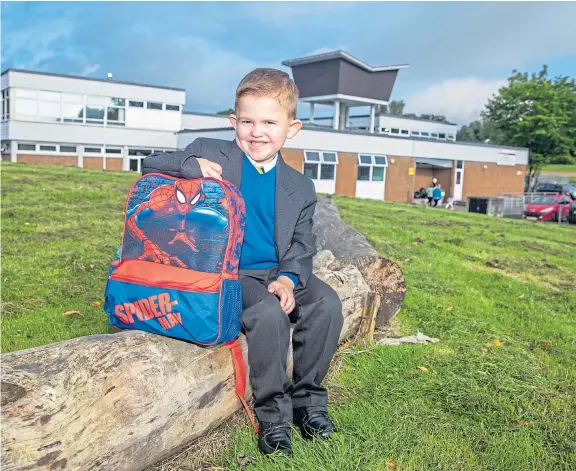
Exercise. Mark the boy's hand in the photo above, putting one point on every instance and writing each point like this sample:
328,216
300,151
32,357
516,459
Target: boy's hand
210,169
284,289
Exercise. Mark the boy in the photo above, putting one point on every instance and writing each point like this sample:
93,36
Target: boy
276,260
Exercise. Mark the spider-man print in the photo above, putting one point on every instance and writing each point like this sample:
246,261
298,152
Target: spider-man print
194,224
168,203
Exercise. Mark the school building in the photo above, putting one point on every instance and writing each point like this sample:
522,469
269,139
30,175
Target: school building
54,119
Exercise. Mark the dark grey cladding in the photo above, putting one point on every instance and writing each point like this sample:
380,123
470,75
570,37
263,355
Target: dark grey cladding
338,76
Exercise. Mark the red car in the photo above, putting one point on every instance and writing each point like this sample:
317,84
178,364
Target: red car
546,207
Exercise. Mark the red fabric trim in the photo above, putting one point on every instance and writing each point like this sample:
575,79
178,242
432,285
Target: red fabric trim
240,377
163,276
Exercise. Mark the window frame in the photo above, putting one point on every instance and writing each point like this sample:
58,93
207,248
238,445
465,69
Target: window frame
148,103
321,164
371,165
166,105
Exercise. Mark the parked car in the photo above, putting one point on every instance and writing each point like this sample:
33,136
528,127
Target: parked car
547,207
572,213
571,190
550,188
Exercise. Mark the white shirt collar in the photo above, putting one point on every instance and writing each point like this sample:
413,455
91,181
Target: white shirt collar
267,167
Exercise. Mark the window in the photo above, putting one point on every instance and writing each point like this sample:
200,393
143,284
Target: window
172,107
112,150
425,134
153,106
72,108
26,104
415,133
458,178
136,104
386,130
450,137
441,136
459,164
27,147
48,148
404,132
320,165
93,150
371,167
139,152
116,112
95,109
434,135
137,156
68,149
50,106
394,131
5,104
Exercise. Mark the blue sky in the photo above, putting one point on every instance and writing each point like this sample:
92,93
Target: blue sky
459,53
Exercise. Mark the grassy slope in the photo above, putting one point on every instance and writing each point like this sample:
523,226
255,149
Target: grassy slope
473,281
559,168
60,228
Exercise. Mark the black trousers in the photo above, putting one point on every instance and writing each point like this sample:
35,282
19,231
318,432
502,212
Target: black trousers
318,322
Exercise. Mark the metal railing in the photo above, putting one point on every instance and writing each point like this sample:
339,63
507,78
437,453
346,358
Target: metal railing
515,203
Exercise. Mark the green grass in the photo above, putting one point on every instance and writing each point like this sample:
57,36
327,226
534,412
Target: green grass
60,229
500,393
559,168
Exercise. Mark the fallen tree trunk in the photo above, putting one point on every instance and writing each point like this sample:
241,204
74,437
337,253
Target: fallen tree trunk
384,276
125,401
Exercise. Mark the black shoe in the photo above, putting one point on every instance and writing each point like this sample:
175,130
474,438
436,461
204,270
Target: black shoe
275,438
313,422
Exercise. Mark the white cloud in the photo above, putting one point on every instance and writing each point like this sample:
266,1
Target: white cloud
324,49
458,99
89,69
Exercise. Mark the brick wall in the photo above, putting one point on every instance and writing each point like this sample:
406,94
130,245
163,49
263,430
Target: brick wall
6,157
399,184
65,160
492,180
93,162
423,177
294,158
114,164
444,176
346,174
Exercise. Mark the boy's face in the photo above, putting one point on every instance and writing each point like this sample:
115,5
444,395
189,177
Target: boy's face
262,126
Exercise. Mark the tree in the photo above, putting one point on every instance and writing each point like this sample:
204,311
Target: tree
226,112
480,131
396,107
538,113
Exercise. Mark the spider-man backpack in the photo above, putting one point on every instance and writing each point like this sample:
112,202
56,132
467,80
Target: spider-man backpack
176,271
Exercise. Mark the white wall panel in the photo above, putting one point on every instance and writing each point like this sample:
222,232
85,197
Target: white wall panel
81,134
200,121
92,87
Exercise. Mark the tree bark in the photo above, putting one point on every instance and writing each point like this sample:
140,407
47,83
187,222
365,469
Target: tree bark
126,401
384,276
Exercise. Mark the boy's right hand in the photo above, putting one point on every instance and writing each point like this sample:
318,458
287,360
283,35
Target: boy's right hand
210,169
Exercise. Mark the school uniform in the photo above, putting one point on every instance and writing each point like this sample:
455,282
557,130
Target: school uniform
278,240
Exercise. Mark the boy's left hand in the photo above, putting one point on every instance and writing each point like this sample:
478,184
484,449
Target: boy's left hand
284,289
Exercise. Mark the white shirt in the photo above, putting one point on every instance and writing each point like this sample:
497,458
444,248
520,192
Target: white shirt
266,167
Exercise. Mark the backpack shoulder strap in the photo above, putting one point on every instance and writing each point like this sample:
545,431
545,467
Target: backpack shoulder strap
240,377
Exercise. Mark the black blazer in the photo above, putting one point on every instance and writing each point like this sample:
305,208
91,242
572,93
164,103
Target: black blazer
295,197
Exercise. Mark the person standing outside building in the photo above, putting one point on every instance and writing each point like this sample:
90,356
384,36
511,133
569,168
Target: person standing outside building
437,194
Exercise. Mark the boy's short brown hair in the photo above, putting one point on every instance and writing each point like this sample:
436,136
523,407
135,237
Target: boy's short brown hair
271,83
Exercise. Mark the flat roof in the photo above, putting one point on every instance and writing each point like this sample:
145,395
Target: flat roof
77,77
365,133
386,116
341,55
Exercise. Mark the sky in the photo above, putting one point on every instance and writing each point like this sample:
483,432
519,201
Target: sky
459,53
